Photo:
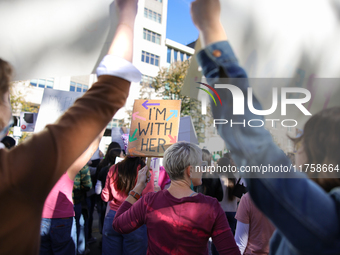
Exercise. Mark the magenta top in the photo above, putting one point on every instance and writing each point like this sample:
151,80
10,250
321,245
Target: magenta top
59,203
178,226
116,197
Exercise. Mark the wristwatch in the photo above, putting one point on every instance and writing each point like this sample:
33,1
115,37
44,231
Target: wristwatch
134,194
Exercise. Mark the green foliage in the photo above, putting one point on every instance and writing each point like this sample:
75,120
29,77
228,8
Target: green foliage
19,104
168,85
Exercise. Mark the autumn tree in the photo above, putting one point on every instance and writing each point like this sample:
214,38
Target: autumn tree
19,104
168,84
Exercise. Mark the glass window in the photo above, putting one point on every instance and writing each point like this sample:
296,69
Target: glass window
144,33
42,83
175,55
158,39
72,86
159,18
85,88
182,56
150,14
49,84
79,87
145,12
147,57
149,37
143,58
153,38
154,16
34,82
152,59
168,56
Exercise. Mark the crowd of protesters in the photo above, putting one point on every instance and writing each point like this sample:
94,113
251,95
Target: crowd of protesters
45,181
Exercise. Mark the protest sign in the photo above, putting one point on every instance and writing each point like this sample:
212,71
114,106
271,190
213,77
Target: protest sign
267,44
54,103
27,121
55,38
154,127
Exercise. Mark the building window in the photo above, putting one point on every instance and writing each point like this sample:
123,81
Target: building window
182,56
77,87
150,58
147,81
159,1
151,36
42,83
177,55
152,15
168,56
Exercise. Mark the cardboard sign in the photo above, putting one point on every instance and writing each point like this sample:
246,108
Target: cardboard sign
54,103
27,121
154,127
267,44
55,38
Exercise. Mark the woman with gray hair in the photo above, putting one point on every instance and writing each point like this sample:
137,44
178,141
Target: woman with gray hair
178,220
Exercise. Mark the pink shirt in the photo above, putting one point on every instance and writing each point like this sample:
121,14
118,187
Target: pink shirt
59,203
117,197
178,226
260,228
163,178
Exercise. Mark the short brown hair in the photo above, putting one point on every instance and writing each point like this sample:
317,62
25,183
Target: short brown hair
5,78
321,143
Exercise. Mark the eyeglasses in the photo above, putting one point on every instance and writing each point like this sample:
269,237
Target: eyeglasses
4,132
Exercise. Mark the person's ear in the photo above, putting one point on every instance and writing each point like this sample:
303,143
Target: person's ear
188,171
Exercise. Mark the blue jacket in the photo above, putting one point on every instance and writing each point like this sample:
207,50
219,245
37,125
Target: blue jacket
306,217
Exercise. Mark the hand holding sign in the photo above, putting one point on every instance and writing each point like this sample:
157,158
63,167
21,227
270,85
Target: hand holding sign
143,178
154,127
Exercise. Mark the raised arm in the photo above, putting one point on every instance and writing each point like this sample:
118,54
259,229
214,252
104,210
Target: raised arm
47,155
84,158
293,205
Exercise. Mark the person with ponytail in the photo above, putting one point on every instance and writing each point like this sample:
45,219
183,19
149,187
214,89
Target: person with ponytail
120,180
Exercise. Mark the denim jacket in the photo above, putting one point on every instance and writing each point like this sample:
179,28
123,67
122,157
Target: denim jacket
306,217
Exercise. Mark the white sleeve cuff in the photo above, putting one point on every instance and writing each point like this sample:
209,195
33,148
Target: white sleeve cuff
98,187
120,67
241,236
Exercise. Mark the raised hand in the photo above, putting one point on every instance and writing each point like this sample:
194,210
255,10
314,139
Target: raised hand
143,178
127,9
206,16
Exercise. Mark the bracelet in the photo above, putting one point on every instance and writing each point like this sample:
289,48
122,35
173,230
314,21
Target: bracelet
134,194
